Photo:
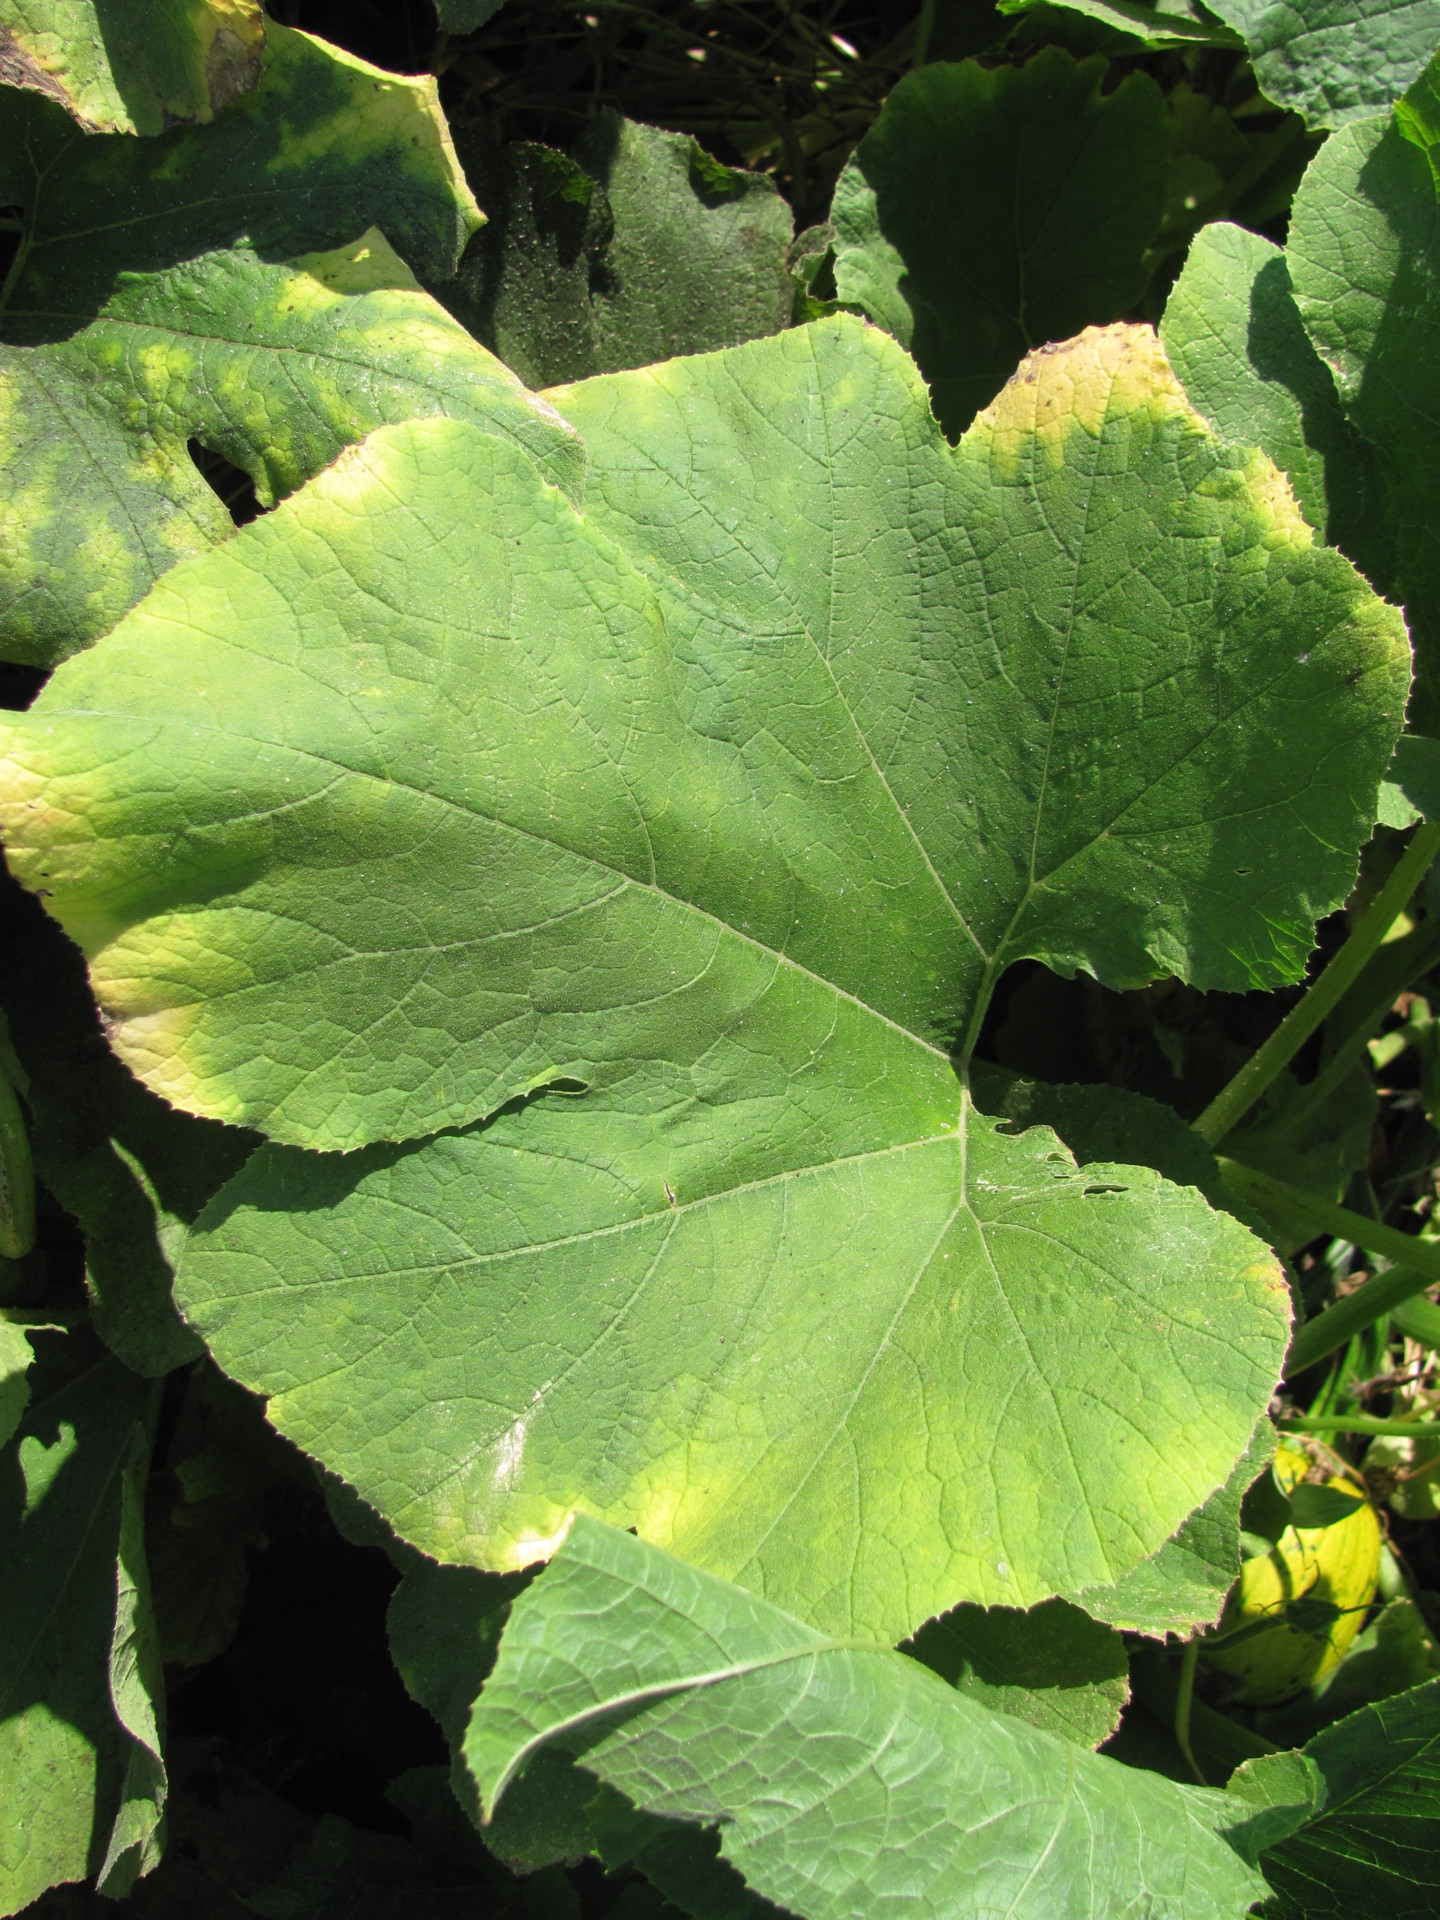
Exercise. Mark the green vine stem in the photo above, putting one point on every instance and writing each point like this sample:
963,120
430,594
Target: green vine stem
1234,1101
1415,1268
1184,1700
1359,1423
1327,1216
1330,1330
1222,1739
1362,1010
1419,1320
924,29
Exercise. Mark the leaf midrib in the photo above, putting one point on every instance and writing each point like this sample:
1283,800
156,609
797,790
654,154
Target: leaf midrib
650,567
777,955
288,1289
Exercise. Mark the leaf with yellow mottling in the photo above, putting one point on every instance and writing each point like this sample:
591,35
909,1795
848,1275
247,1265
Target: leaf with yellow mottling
167,62
324,146
712,814
276,366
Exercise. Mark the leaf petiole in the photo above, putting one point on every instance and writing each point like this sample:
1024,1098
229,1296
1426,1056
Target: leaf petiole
1234,1101
1327,1216
1184,1700
1330,1330
1359,1423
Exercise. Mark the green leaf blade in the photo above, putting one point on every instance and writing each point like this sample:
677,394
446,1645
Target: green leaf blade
1370,1849
951,818
807,1348
172,60
990,211
1362,255
1234,337
81,1787
634,248
842,1778
277,366
1338,60
1154,28
325,146
711,816
1052,1666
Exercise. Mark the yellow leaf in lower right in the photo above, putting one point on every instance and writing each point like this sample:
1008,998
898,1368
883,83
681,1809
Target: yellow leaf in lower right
1294,1611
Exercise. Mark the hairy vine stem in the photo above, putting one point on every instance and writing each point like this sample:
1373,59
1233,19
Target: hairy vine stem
1234,1101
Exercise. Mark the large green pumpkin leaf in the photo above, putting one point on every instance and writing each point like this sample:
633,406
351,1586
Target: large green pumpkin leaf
1233,334
275,365
78,1741
1137,22
1371,1848
1335,60
1364,255
158,63
426,793
988,211
788,1374
638,247
324,147
368,824
843,1779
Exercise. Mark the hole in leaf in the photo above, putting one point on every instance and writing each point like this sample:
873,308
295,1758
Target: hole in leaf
1104,1187
19,685
12,225
233,487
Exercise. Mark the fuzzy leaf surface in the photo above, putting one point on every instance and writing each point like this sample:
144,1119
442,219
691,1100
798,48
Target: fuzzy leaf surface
739,858
637,247
1335,60
842,1779
158,63
324,147
1233,334
1052,1666
1364,254
987,212
1371,1850
276,365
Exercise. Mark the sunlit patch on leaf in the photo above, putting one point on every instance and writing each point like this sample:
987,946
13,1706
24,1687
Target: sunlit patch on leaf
726,801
